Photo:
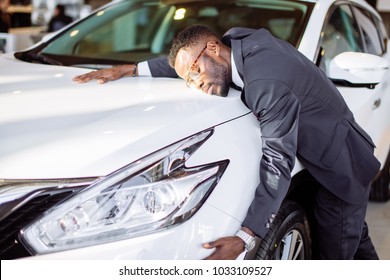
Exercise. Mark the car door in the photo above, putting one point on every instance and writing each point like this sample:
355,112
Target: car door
354,29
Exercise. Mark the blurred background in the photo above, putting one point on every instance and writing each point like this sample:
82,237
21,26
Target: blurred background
27,21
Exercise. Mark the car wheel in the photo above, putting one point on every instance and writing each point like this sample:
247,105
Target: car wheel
380,186
288,237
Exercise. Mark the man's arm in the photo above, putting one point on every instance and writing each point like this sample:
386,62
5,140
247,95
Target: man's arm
277,110
157,67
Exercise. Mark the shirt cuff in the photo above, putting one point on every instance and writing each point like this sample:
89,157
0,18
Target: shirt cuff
143,69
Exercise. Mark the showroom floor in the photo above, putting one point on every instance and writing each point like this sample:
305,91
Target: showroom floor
378,220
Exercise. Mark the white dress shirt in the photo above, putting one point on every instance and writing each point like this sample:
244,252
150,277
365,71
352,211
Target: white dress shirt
236,79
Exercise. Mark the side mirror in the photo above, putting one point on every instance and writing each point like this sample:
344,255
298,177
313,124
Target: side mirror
357,69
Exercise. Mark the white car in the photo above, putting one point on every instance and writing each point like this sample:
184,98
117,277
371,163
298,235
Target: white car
145,168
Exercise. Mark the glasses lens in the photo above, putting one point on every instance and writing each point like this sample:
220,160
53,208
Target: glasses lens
193,76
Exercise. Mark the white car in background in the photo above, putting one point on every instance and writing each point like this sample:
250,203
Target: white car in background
145,168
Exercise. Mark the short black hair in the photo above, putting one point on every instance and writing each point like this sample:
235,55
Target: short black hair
189,37
61,9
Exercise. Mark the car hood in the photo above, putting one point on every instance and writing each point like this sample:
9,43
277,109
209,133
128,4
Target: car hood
52,127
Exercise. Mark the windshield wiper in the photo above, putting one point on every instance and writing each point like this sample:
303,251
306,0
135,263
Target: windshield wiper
41,58
47,60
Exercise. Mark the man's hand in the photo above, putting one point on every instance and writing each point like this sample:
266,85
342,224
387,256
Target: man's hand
226,248
106,75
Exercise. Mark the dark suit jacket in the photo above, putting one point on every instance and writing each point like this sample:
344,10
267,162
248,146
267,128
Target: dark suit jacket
301,114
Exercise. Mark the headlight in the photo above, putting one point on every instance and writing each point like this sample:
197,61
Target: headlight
153,193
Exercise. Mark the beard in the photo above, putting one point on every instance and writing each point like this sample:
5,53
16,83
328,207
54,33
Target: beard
221,79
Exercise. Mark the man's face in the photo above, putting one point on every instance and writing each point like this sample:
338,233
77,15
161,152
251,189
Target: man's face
202,68
4,4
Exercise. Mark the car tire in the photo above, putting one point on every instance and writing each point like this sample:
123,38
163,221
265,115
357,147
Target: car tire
288,237
380,187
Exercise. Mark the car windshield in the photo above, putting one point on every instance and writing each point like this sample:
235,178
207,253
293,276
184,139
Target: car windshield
129,31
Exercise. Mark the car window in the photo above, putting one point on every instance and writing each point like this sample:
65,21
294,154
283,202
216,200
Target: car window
140,30
340,34
369,30
113,32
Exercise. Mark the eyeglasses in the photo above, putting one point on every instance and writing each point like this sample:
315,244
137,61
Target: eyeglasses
193,76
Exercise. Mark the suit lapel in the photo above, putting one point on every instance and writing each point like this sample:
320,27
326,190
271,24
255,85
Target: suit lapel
237,56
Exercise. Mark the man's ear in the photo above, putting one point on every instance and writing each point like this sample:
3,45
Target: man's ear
213,47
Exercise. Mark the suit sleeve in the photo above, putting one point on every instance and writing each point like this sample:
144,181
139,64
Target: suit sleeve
277,110
159,67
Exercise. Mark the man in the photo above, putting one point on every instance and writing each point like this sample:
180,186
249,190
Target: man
5,22
301,114
5,19
59,20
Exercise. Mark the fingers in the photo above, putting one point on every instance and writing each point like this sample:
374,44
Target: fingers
226,248
216,255
86,77
98,75
223,241
101,80
79,79
214,244
105,75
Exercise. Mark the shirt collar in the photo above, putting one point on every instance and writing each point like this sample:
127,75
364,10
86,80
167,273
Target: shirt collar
236,79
